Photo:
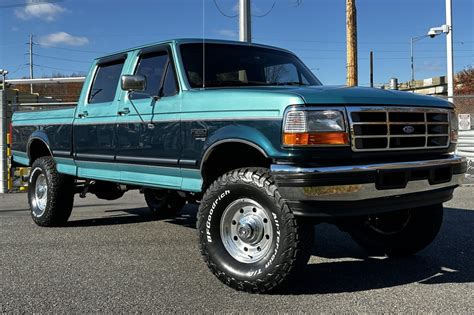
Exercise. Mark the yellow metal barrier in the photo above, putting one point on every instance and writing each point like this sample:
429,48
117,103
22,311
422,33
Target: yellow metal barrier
17,177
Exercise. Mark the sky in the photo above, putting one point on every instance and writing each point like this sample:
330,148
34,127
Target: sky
68,34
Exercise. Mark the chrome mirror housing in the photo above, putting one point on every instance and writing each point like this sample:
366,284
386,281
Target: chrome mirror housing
133,83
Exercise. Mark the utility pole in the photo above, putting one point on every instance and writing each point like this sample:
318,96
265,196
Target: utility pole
371,69
351,35
245,22
3,143
31,62
449,49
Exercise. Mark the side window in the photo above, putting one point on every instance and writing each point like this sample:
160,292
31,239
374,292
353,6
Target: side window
105,82
169,86
152,67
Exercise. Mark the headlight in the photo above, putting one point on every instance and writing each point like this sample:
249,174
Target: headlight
314,127
454,127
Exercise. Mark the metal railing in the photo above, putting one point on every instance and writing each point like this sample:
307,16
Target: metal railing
465,105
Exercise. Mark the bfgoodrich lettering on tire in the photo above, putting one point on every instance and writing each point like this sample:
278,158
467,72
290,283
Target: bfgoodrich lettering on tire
249,237
50,194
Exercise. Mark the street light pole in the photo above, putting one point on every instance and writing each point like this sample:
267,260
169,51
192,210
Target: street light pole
245,21
449,49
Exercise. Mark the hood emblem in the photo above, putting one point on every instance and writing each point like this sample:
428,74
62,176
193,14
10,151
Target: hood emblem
408,129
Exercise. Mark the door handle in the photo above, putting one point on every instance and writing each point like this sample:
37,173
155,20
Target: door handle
124,111
84,114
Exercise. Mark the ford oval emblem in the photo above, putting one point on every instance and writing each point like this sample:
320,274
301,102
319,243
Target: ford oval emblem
408,129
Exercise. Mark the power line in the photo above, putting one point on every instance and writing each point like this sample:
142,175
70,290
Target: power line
71,49
461,42
383,58
64,59
268,12
375,50
222,12
63,69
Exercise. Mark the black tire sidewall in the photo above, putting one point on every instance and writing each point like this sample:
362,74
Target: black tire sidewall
60,197
214,245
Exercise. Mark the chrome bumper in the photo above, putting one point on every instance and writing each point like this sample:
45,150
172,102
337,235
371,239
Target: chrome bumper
362,182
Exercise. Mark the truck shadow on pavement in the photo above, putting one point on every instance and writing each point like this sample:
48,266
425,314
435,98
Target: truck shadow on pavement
341,266
346,267
186,218
116,217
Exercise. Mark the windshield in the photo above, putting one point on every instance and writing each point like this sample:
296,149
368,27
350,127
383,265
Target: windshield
230,65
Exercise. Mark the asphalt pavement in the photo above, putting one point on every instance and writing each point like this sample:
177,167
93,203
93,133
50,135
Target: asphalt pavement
114,257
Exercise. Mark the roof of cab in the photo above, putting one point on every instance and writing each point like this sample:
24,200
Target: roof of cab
179,41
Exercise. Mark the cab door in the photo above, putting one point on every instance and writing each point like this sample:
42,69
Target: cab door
95,122
148,126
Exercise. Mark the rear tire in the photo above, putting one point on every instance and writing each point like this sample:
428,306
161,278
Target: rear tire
164,203
249,238
50,194
399,233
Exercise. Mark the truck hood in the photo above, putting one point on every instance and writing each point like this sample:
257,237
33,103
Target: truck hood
342,95
366,96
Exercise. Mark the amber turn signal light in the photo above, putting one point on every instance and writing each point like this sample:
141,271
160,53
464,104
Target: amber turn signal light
320,138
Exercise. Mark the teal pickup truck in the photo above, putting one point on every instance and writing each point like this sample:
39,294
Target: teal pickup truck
249,133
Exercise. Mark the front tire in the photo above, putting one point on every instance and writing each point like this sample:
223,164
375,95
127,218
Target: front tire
50,194
249,238
399,233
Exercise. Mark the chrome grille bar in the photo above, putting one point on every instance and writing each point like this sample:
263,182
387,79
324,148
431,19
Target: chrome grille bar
398,128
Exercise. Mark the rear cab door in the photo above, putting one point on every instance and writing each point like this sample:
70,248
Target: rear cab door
148,129
95,120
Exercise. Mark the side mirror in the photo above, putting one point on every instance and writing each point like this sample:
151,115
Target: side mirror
133,83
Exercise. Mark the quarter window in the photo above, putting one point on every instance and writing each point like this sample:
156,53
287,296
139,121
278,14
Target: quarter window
105,82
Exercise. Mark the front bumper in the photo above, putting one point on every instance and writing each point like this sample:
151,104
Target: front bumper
365,189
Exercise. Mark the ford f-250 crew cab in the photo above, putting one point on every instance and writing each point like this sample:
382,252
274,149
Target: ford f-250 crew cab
251,135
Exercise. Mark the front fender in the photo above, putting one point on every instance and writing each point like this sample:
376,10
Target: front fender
240,134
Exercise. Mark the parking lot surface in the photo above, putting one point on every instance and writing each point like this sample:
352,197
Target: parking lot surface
114,257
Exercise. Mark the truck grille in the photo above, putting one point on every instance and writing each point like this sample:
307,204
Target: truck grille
374,129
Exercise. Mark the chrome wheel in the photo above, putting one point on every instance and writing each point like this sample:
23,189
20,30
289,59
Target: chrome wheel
246,230
41,195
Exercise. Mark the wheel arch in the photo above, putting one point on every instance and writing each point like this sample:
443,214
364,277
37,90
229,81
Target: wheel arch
38,146
250,155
